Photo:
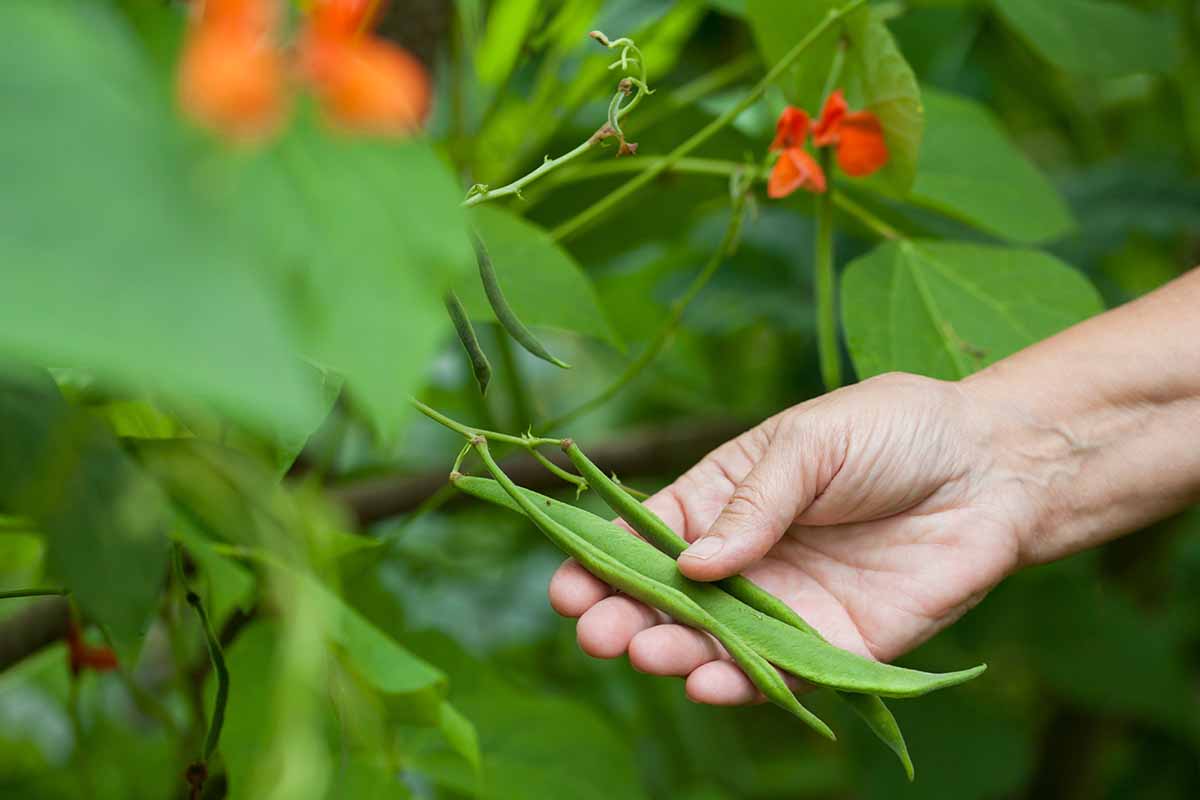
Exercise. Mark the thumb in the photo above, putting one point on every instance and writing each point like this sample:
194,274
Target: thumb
761,509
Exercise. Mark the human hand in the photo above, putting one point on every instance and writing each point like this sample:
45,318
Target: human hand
879,512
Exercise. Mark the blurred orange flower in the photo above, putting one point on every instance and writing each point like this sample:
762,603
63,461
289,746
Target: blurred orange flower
795,169
232,75
364,83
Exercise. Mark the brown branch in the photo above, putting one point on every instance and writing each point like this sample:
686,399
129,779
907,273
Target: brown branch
37,625
657,451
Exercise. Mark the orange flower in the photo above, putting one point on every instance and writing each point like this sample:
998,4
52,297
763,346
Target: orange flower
81,656
231,76
791,130
364,83
858,136
795,169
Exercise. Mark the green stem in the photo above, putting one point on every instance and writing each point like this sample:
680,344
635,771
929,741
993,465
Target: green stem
827,343
669,326
480,194
579,483
213,738
13,593
518,392
714,167
589,216
525,442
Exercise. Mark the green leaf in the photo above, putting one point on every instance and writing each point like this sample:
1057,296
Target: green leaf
108,259
364,236
971,171
946,309
508,23
875,75
103,519
1097,38
541,281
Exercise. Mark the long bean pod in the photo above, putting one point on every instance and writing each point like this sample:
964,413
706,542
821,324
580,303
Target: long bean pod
504,312
871,709
481,368
803,655
638,585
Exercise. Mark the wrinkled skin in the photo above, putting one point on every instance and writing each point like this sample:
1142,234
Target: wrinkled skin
878,512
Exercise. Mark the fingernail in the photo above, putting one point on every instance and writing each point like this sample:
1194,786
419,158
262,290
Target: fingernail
704,548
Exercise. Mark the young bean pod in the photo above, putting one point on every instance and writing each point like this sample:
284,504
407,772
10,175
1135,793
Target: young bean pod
504,312
873,711
803,655
481,368
637,585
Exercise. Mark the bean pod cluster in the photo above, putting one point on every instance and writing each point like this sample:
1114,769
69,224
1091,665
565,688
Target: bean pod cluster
761,633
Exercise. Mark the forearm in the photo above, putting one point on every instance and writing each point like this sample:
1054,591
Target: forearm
1099,426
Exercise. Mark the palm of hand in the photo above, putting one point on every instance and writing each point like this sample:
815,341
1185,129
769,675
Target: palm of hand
903,533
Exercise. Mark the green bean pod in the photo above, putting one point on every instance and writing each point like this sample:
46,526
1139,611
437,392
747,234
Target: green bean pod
637,585
504,312
873,711
481,368
803,655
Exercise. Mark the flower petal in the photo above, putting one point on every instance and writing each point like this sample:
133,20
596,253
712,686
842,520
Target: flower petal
343,18
862,148
369,85
791,129
825,132
795,169
231,79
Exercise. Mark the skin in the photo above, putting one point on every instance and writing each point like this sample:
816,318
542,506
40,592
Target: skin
883,511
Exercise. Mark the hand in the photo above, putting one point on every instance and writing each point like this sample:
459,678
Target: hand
877,512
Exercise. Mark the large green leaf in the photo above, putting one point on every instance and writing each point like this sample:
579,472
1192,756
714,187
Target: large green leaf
103,519
108,260
947,309
1098,38
364,237
875,75
542,282
970,170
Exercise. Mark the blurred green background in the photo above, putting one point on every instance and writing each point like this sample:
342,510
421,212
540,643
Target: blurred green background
1093,689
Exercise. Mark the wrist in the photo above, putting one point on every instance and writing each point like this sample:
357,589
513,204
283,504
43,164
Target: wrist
1079,461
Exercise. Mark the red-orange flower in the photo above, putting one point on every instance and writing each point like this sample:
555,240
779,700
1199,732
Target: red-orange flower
795,169
364,83
231,76
81,656
791,130
858,136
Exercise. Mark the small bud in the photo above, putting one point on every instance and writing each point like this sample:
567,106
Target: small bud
627,149
600,37
625,86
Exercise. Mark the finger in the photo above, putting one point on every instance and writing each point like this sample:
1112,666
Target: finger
672,650
721,683
605,629
763,506
573,590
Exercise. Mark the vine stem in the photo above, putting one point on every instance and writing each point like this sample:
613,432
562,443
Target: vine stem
480,194
588,216
827,342
30,593
716,167
526,442
670,325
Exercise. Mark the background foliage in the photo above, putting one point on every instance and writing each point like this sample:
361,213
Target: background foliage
215,317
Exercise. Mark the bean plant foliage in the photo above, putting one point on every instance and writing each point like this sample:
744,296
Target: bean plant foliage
271,270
